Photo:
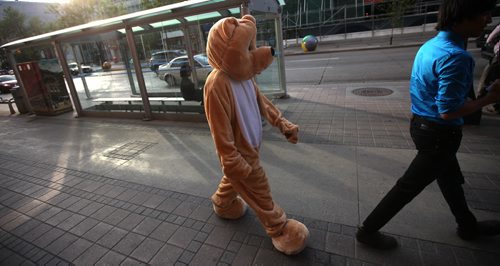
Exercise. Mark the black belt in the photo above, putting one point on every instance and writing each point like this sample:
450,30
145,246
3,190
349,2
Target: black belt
426,124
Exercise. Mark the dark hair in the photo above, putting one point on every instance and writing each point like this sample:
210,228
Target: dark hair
185,70
452,12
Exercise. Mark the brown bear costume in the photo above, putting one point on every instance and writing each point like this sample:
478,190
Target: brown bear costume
234,108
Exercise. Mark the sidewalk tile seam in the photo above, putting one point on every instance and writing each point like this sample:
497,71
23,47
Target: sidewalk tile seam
20,240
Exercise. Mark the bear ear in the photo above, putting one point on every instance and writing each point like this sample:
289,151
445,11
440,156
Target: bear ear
228,26
249,18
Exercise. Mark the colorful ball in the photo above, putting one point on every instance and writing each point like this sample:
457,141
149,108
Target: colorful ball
309,43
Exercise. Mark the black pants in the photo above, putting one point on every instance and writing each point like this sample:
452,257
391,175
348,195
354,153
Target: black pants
436,159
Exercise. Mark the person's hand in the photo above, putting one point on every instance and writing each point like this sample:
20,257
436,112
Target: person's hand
494,91
292,134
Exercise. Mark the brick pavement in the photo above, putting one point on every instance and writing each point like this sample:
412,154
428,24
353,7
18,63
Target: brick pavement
57,216
333,115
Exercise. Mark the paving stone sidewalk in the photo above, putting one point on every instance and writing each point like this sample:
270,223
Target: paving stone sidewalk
50,215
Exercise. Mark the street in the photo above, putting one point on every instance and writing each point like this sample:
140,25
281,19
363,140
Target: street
358,66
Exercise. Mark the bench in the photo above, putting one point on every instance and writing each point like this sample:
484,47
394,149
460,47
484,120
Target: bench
9,102
109,104
178,100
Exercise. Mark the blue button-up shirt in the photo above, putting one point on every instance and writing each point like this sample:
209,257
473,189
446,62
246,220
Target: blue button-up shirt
441,78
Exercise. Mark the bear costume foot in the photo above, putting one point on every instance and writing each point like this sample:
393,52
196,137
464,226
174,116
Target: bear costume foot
237,209
292,239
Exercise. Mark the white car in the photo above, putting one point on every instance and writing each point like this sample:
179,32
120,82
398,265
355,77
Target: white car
73,67
170,72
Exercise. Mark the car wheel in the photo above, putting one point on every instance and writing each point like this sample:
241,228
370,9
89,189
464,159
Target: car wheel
170,81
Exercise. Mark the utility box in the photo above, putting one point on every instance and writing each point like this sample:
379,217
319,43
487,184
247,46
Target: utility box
45,88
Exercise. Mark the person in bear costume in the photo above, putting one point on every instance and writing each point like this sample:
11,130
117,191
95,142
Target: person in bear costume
234,108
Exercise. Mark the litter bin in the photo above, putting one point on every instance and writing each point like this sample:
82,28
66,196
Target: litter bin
18,99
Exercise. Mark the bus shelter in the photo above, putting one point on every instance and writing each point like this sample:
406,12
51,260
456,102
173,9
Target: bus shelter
130,66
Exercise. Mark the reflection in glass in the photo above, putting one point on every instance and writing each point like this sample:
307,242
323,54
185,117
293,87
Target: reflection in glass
100,72
268,80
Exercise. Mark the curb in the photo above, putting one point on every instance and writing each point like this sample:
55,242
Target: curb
353,49
364,48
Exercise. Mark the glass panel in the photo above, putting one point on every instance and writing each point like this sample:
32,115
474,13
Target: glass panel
43,79
165,23
234,11
100,72
167,70
269,80
134,29
203,16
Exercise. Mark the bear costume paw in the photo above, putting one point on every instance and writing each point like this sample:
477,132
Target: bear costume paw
235,210
292,239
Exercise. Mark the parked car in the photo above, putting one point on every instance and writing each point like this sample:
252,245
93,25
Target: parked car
73,67
170,72
7,82
6,72
163,57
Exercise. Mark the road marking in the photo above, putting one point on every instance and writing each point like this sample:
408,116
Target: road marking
313,60
302,68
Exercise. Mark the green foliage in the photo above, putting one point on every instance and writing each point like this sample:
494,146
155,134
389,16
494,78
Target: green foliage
79,12
12,25
397,9
148,4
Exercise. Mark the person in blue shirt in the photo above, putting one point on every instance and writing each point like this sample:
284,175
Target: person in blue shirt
441,79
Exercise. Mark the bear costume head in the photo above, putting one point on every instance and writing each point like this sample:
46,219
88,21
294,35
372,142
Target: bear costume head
232,49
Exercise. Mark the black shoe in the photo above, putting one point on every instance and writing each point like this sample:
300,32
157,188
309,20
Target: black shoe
376,239
484,228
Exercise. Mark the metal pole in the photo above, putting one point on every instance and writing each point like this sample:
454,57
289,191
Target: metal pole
85,87
356,7
244,8
306,12
280,51
189,51
345,23
320,20
203,47
128,67
143,48
75,101
425,17
138,72
373,18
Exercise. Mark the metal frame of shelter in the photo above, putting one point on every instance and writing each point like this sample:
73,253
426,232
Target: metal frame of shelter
181,14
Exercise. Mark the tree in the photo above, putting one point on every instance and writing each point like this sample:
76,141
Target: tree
397,9
79,12
148,4
12,25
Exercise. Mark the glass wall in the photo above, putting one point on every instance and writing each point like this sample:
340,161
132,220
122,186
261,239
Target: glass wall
100,69
268,80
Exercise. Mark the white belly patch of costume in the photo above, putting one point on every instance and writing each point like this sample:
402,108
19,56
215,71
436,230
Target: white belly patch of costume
247,111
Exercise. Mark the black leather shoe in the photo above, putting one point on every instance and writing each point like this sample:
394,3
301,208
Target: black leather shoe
376,239
484,228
